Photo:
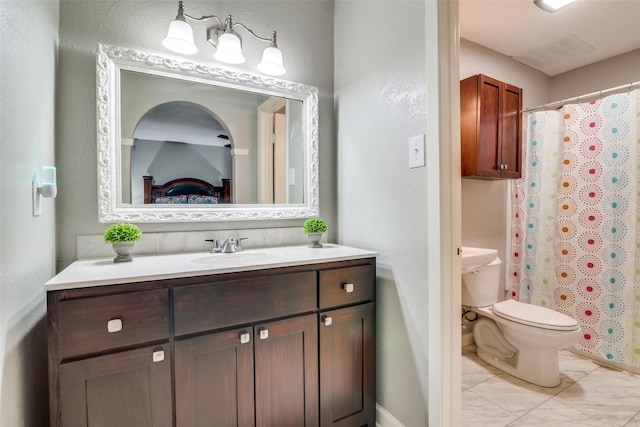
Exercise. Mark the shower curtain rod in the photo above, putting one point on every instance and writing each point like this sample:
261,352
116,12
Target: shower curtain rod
589,96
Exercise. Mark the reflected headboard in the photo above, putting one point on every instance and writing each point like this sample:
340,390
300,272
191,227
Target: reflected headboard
186,187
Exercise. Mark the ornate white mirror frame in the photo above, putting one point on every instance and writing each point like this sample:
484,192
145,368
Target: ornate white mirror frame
111,60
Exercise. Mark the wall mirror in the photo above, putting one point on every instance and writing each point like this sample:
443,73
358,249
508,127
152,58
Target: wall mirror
180,141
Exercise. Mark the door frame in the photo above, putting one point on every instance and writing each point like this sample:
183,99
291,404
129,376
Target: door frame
444,226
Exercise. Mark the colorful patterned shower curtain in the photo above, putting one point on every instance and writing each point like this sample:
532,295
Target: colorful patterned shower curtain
576,222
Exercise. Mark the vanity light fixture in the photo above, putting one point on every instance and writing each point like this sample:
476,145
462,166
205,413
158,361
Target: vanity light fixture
552,5
227,42
45,188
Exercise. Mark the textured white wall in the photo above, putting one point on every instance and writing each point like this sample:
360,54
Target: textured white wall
305,35
29,32
595,77
380,101
486,212
477,59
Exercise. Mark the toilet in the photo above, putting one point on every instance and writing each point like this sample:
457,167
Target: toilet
520,339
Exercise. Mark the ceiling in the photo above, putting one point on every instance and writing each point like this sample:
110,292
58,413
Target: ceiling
580,34
180,121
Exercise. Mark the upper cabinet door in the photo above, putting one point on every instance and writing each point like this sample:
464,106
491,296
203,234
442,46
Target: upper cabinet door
511,132
491,128
489,132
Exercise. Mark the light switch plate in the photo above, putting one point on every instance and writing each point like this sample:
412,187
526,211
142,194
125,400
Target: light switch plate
416,151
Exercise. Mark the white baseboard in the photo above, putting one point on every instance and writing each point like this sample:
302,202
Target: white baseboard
385,419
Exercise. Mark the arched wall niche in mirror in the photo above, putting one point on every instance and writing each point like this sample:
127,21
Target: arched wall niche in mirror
271,126
174,140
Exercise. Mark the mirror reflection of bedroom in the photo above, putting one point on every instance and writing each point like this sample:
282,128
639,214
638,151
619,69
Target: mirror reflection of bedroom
179,154
200,144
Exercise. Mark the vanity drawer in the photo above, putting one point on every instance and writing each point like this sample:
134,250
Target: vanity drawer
218,305
348,285
93,324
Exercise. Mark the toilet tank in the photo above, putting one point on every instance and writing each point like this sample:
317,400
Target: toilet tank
481,287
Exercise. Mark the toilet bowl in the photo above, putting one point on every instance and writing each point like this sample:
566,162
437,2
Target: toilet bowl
520,339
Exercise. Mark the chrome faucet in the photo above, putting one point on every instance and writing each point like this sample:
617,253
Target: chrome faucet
227,246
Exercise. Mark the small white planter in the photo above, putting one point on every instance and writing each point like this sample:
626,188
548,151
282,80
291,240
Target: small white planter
314,240
123,249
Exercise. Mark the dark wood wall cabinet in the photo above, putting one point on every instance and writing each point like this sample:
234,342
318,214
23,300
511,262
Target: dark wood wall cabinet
491,128
290,346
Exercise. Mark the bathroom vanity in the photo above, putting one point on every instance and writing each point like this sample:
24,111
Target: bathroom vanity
272,337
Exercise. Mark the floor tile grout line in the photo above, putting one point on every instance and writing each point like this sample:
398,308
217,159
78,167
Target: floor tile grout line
555,395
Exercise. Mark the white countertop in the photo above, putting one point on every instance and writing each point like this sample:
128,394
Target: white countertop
103,271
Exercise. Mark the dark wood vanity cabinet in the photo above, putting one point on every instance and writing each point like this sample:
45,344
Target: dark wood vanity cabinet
347,359
214,380
267,368
291,346
110,358
347,346
217,374
124,389
491,128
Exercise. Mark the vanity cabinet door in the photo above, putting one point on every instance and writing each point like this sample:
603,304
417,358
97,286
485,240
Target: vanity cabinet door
347,367
286,372
126,389
214,380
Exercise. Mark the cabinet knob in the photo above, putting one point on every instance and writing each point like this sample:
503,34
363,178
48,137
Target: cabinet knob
328,320
245,338
264,334
114,325
348,287
506,166
158,356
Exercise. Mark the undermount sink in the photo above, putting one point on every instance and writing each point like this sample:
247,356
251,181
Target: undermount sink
473,258
222,259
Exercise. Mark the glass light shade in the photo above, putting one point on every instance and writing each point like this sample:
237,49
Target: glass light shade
180,38
552,5
271,63
229,49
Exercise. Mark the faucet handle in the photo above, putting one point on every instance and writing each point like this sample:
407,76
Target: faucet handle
216,245
239,243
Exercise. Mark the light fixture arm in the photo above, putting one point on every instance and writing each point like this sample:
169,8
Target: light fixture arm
181,15
214,32
202,18
228,24
272,41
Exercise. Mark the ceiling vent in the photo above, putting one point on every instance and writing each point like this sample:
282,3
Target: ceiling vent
555,53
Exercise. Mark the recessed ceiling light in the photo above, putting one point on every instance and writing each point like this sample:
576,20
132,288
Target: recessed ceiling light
552,5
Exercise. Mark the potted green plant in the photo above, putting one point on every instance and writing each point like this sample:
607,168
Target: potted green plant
313,228
122,236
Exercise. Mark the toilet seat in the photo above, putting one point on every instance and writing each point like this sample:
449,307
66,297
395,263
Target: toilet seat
533,315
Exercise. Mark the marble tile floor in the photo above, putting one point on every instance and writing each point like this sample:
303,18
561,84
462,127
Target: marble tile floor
589,395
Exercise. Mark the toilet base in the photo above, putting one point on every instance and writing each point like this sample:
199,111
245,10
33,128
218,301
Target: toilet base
544,376
534,365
